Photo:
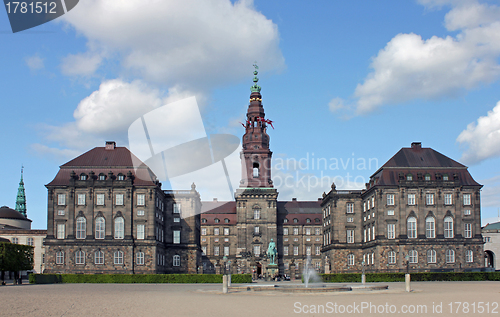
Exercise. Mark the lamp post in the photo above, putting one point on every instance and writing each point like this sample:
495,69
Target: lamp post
407,275
224,277
363,277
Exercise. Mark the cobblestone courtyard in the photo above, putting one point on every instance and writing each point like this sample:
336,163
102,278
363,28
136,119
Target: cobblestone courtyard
207,300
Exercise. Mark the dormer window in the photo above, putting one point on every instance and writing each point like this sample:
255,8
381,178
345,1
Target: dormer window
295,220
308,220
102,177
83,177
445,177
216,220
409,177
121,177
427,177
285,220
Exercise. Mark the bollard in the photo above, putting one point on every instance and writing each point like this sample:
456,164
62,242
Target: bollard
229,280
407,282
224,284
363,279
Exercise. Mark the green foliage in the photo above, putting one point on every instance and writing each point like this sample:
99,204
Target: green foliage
15,257
418,277
135,278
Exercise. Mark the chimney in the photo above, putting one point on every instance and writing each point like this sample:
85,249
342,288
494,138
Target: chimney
110,145
416,145
215,199
294,199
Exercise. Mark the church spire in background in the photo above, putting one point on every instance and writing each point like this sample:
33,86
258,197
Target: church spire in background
21,196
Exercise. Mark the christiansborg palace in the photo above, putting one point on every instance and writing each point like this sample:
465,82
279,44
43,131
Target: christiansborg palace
420,211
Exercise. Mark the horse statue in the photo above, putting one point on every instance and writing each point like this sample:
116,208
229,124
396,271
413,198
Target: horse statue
272,252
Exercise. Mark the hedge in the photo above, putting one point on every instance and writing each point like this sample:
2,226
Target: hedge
417,277
135,278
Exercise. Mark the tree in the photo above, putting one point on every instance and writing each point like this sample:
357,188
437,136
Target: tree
15,258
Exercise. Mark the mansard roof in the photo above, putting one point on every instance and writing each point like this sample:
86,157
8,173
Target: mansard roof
102,160
417,156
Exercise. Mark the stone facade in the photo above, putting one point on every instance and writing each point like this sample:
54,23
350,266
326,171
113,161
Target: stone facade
491,236
105,216
420,212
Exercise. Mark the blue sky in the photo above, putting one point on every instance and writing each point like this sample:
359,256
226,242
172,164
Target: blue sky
341,80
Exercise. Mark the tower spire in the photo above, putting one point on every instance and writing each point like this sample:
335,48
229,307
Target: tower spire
21,196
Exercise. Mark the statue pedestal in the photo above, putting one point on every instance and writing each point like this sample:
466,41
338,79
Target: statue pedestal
272,269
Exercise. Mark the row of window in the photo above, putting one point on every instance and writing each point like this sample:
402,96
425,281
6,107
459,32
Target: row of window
429,199
317,250
100,199
216,220
29,241
427,177
413,257
216,231
99,258
101,177
430,228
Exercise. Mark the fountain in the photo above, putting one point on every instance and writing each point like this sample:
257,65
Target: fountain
309,273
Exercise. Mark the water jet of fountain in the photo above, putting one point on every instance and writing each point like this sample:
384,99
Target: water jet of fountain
309,273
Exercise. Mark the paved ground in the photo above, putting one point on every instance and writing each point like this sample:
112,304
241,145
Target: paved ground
207,300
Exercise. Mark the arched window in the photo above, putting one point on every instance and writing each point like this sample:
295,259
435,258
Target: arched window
226,220
99,257
350,259
81,228
450,256
448,227
83,177
216,220
255,169
102,177
308,220
119,228
118,257
121,177
203,220
430,227
412,228
79,257
431,256
176,260
391,257
413,256
295,220
100,225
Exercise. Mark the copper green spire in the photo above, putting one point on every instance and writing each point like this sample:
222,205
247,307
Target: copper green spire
255,87
21,196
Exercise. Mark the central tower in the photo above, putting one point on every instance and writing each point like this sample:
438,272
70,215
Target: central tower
256,199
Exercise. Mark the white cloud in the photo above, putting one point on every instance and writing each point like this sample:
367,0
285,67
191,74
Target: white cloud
81,64
34,62
191,44
410,67
482,138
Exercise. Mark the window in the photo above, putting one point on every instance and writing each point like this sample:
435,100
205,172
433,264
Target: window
285,251
350,259
308,220
285,231
308,231
430,227
121,177
295,220
226,231
139,258
429,199
176,261
445,177
256,230
30,242
216,231
59,257
450,256
15,240
391,257
468,230
317,231
411,199
256,250
119,227
448,227
469,256
412,228
99,200
295,231
177,208
141,200
448,199
390,199
61,200
203,231
79,257
255,170
216,250
409,177
216,220
431,256
81,200
318,250
226,251
119,199
99,257
226,220
177,236
99,227
390,212
373,202
373,232
295,250
140,212
60,212
427,177
368,204
61,231
391,231
369,235
102,177
413,256
350,236
204,250
350,219
118,258
256,213
81,227
308,250
140,232
467,212
83,177
350,208
203,220
467,199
